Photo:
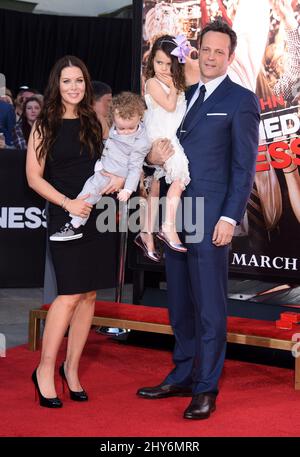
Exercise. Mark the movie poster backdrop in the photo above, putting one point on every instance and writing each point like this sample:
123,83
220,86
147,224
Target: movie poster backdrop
267,61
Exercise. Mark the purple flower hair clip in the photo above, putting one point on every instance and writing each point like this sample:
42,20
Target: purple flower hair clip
182,50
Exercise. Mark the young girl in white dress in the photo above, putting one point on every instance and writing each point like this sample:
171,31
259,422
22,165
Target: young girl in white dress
166,106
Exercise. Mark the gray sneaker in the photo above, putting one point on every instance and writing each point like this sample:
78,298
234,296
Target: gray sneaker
66,233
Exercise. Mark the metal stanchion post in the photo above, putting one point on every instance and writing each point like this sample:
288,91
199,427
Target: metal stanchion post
123,228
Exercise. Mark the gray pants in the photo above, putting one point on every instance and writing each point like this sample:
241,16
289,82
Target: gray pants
92,186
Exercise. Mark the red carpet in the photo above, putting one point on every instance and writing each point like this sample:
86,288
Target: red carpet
255,400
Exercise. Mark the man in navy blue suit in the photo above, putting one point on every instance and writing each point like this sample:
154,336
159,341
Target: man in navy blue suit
220,138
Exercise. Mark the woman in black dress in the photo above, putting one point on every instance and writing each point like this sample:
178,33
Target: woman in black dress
63,146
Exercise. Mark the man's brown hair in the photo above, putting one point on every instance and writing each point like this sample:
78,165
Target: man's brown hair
219,25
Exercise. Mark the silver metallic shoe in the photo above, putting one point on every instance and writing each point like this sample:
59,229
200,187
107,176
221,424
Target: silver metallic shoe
152,255
162,236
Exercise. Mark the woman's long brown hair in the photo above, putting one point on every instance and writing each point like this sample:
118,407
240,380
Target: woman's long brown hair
50,119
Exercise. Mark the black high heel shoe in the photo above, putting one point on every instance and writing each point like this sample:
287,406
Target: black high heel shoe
46,402
76,396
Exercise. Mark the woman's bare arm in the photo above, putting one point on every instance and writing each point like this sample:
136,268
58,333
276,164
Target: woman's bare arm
35,178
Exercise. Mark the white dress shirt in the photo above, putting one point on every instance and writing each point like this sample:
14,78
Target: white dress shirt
210,87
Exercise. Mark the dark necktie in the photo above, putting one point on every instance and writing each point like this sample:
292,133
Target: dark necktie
197,104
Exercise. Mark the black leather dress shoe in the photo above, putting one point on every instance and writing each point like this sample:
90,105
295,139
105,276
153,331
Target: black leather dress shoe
164,391
201,406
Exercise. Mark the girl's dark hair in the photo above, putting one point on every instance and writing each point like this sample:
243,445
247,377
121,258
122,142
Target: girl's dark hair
26,127
166,44
50,119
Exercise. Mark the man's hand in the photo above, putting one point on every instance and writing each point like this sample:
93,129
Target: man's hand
223,233
161,150
114,185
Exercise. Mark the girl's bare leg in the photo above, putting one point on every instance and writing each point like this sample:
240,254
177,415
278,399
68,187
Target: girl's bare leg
149,216
172,202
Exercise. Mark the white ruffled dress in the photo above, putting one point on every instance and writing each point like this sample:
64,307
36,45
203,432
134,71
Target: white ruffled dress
160,123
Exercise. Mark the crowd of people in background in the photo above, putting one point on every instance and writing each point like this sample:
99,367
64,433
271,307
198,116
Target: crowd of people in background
18,114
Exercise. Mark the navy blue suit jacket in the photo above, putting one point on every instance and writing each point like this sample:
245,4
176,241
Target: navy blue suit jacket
7,121
221,141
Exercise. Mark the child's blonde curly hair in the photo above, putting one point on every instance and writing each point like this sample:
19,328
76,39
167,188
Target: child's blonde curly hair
127,105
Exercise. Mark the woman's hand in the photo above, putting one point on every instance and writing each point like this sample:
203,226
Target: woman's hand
115,184
79,207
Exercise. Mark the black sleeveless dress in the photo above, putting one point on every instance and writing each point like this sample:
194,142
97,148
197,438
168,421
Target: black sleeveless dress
78,264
